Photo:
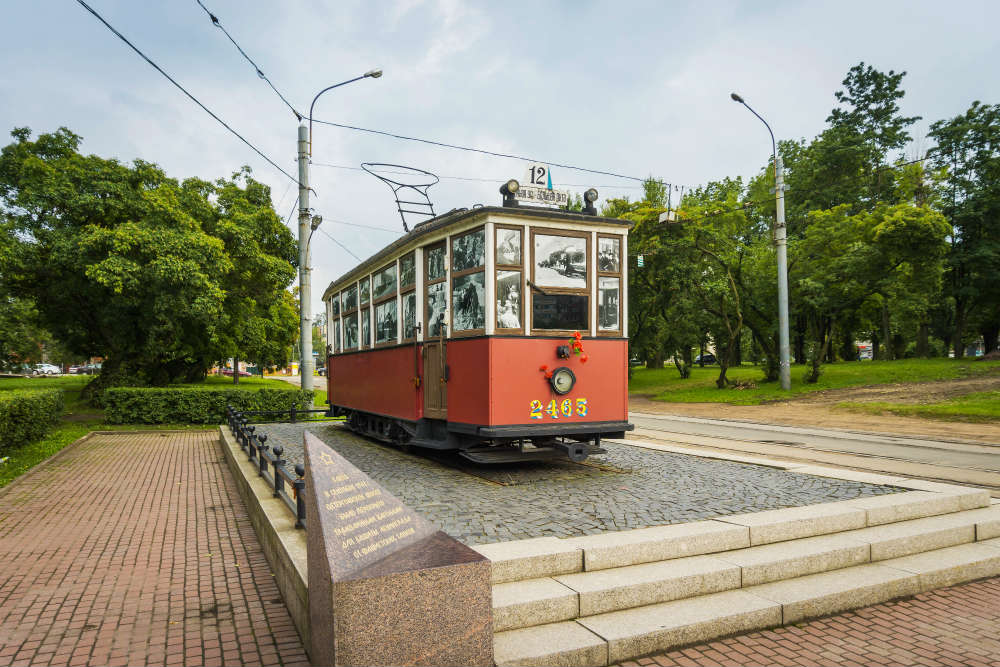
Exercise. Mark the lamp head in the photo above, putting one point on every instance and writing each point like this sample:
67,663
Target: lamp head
317,220
589,197
375,73
507,190
737,98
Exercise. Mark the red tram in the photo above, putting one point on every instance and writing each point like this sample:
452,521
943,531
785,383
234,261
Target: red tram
520,348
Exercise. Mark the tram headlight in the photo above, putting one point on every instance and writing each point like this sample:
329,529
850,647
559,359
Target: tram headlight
589,197
562,380
507,190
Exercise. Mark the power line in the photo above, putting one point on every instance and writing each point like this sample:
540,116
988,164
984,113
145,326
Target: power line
480,180
217,24
477,150
182,89
339,243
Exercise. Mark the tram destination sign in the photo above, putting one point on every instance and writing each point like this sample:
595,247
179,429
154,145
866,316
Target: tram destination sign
537,188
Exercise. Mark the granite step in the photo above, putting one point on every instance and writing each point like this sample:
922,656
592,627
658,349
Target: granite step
564,597
631,633
549,556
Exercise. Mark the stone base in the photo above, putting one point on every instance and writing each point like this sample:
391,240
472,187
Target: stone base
420,606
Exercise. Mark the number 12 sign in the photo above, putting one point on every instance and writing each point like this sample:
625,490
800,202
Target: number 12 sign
538,175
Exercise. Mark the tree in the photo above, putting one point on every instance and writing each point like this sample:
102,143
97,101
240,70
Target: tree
158,277
968,149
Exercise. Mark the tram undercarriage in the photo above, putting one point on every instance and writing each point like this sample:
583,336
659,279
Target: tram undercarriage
482,444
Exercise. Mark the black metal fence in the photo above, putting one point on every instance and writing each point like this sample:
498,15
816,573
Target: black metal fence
270,465
292,415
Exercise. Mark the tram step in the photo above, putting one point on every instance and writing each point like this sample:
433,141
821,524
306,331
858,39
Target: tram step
510,455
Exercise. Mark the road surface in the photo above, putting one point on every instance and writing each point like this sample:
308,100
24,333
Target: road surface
951,460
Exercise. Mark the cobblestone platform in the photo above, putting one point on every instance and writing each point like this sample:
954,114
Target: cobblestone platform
626,488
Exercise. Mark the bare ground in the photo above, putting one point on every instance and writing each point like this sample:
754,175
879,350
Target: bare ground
817,409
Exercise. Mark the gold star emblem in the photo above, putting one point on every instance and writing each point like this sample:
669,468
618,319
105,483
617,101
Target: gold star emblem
325,459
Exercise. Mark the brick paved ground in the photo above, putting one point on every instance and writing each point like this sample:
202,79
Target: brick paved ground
950,626
135,549
629,487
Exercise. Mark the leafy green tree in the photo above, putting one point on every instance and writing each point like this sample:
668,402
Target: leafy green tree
158,277
968,149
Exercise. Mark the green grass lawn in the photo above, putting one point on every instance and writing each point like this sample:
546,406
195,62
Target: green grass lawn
983,406
80,417
666,384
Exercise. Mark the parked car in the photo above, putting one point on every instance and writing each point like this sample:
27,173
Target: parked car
92,369
45,369
707,358
321,370
229,372
634,361
75,370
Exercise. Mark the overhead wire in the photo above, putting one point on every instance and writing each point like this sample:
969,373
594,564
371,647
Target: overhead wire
260,73
183,90
348,250
478,180
477,150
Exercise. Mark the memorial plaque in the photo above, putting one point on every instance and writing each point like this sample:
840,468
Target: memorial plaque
386,587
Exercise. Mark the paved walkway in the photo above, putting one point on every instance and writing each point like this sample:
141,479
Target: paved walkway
950,626
135,549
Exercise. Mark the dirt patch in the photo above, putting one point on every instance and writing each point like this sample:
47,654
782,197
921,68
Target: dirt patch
817,409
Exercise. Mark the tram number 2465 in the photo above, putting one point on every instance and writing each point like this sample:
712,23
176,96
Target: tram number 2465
555,409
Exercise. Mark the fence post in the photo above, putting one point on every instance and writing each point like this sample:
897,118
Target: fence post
279,467
292,412
300,502
262,454
251,440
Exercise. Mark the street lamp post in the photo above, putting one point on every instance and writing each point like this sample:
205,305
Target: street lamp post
781,246
306,227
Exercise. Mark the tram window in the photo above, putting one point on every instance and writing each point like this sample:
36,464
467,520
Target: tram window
561,269
563,312
468,251
385,322
366,327
335,302
351,331
608,292
609,285
435,291
561,261
409,315
336,335
609,251
350,299
509,284
508,246
469,295
365,290
384,282
508,299
435,263
437,305
407,270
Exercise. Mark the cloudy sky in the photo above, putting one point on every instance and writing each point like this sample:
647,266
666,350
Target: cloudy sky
635,88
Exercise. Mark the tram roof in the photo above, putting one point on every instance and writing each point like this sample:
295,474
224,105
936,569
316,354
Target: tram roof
458,216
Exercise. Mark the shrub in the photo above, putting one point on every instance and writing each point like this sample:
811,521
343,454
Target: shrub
26,416
193,405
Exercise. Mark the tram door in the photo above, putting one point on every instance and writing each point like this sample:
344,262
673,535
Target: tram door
436,328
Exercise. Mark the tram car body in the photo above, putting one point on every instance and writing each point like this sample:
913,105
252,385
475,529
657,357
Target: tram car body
500,332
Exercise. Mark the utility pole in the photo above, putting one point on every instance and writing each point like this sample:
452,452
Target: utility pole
784,353
305,283
784,361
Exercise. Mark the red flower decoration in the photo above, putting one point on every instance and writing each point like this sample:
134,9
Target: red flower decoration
543,367
577,335
583,359
548,375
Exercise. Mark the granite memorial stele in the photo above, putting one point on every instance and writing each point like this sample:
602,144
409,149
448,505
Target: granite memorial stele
386,587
